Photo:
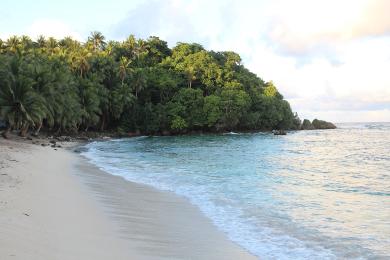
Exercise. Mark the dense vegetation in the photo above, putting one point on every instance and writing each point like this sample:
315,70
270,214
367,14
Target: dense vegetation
132,86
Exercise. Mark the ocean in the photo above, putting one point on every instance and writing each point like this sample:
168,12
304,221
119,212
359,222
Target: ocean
320,194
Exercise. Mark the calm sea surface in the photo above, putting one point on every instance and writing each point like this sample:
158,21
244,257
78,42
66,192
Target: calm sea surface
322,194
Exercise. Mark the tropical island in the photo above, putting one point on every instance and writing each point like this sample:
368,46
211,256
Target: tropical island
134,87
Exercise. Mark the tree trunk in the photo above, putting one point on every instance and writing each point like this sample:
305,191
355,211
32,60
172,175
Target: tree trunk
6,132
24,130
104,119
36,133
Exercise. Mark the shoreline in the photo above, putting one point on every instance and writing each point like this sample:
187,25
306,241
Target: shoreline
54,204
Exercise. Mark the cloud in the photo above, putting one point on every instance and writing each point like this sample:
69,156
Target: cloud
304,26
51,28
167,19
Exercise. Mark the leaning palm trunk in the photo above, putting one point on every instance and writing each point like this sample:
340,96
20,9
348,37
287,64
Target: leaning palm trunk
24,130
36,133
5,134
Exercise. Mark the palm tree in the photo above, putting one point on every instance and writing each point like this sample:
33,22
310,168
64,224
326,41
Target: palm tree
89,101
20,105
26,42
52,45
141,48
124,68
130,45
66,42
13,43
97,40
80,61
139,81
110,48
1,46
41,41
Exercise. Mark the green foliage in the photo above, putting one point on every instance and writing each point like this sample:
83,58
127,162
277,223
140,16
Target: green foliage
20,105
212,110
135,85
178,124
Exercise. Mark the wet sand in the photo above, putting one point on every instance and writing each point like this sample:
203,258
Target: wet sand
55,205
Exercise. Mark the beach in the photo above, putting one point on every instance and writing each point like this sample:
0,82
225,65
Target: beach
55,205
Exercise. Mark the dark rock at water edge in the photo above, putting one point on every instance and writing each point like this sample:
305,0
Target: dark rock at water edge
316,124
279,132
320,124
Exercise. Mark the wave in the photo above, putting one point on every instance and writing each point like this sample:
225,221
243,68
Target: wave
261,241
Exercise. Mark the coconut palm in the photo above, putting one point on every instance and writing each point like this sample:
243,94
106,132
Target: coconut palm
130,46
26,42
13,43
20,105
41,41
68,43
139,81
80,61
97,40
124,68
2,45
52,45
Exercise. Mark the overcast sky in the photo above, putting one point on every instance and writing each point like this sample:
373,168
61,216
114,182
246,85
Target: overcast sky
330,59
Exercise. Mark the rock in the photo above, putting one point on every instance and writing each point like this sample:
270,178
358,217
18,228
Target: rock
29,138
166,133
53,146
132,134
279,132
320,124
4,135
64,138
44,144
52,142
59,146
307,125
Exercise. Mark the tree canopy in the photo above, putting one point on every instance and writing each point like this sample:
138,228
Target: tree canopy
135,85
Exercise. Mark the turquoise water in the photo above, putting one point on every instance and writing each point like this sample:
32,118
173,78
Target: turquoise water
308,195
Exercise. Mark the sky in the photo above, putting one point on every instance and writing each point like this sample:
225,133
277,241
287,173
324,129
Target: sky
329,58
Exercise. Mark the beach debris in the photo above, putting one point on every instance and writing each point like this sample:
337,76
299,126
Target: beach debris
26,214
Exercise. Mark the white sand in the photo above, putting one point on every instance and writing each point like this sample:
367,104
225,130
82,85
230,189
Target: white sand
54,205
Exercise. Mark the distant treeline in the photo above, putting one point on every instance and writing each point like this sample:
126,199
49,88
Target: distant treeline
132,86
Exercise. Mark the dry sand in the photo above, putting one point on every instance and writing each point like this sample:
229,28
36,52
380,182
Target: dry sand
54,205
